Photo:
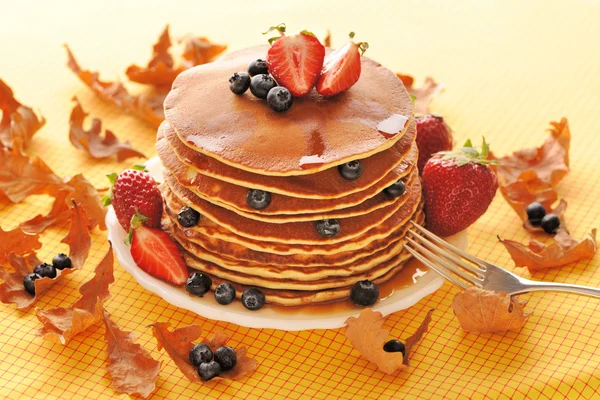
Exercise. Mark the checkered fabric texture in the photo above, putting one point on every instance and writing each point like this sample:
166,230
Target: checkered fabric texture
509,67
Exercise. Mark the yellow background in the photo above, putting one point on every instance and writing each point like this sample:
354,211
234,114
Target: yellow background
510,67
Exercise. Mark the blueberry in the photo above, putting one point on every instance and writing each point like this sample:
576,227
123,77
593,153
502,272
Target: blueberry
396,189
550,223
351,170
535,213
239,82
261,84
253,299
187,217
198,284
200,353
225,293
258,199
45,270
61,261
226,357
280,99
328,227
209,370
28,283
395,346
364,293
257,67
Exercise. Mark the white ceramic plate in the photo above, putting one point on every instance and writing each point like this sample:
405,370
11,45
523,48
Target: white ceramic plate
294,319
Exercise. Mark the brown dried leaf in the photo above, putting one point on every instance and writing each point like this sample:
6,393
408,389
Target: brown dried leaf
244,365
161,69
199,50
131,367
423,95
18,121
18,242
327,39
77,189
147,106
12,290
548,163
484,311
21,176
78,238
92,141
178,344
416,337
564,250
61,324
366,335
84,193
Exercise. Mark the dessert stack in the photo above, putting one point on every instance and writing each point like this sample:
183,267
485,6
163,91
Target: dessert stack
302,204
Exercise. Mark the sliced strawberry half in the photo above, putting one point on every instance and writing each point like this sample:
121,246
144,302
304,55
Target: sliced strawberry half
341,68
295,61
156,253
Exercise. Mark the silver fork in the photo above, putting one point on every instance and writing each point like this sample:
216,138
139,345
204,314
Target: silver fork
464,270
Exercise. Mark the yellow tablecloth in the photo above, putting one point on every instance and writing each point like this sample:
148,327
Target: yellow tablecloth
510,67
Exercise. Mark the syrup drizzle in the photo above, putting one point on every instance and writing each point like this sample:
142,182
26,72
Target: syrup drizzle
316,150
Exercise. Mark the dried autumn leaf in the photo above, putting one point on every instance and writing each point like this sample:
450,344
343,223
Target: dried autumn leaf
61,324
327,39
18,121
484,311
78,239
77,189
199,50
244,366
423,95
161,70
12,289
18,242
416,337
147,106
131,367
366,335
548,163
92,140
178,344
21,176
564,250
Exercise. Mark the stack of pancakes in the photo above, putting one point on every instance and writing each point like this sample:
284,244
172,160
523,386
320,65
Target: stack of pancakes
216,147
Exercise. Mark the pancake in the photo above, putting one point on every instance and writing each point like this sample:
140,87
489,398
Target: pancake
303,272
290,232
217,238
291,298
233,197
291,284
327,184
316,134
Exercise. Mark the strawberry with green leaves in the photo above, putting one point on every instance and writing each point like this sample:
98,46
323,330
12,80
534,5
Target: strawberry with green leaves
458,187
135,191
341,69
295,61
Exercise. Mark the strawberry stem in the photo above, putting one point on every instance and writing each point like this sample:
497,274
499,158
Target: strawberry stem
136,221
469,154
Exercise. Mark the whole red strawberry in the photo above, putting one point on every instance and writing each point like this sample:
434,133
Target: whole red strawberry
295,61
433,136
341,69
458,187
135,191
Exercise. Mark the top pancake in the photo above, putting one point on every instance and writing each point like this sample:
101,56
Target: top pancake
317,133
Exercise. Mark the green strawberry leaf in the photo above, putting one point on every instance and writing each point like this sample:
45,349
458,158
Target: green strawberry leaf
112,178
469,154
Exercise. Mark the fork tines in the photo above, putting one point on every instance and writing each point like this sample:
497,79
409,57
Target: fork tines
444,258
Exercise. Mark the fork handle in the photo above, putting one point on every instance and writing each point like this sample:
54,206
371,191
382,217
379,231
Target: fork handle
533,286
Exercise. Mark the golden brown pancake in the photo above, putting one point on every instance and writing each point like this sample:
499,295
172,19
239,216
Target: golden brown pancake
334,267
327,184
317,133
290,232
218,239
